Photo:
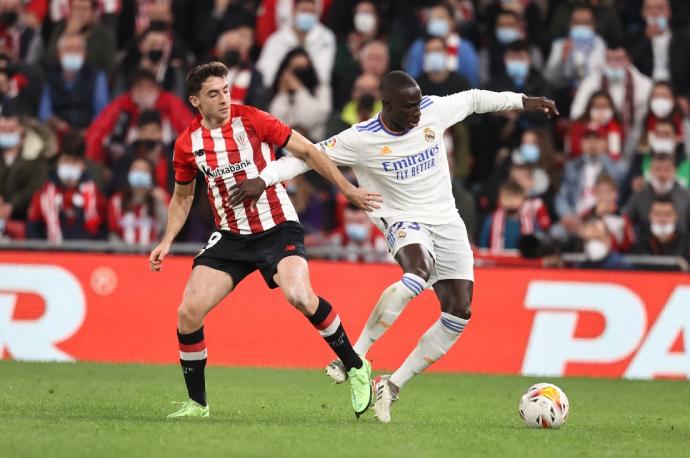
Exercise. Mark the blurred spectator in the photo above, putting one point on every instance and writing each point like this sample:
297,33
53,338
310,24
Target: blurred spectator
661,52
664,139
664,237
460,54
115,126
607,20
511,220
528,13
306,32
662,181
663,105
576,55
275,14
464,199
246,83
300,99
437,78
148,145
599,248
364,104
69,205
629,90
606,208
100,39
373,58
137,214
23,169
600,115
358,240
20,32
509,28
24,84
154,52
74,93
215,17
580,174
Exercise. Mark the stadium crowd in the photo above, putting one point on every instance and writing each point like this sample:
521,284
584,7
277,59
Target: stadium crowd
92,96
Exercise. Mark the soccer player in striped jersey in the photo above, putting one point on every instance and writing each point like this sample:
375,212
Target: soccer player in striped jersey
400,153
228,144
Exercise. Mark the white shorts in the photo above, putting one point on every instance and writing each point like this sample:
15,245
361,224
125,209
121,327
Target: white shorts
447,243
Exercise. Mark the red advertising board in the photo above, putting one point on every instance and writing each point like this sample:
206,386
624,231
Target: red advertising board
111,308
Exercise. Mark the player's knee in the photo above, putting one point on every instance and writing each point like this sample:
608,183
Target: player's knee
299,297
460,307
189,318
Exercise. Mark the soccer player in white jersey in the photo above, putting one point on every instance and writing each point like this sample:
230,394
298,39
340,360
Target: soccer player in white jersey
230,143
400,153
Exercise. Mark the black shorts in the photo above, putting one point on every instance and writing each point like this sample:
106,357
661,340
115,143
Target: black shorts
240,255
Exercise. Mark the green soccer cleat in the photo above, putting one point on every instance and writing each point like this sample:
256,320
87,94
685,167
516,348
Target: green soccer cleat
190,408
360,384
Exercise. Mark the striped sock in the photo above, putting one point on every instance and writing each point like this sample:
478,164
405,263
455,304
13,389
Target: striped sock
392,302
327,322
435,342
193,361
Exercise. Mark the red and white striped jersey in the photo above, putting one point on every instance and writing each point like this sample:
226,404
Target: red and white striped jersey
230,154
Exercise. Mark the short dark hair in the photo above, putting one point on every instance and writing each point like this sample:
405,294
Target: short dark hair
512,187
518,46
446,6
606,179
142,75
663,199
664,157
199,74
149,117
73,145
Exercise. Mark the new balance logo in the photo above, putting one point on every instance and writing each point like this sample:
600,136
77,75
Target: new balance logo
199,152
290,248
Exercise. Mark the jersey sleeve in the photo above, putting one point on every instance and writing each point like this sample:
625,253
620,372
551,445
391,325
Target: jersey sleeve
270,129
456,107
183,162
342,148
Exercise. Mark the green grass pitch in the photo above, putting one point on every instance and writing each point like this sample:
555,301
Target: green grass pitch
75,410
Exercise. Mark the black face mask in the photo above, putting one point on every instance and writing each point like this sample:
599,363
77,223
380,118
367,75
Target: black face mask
155,55
307,76
8,18
146,145
232,58
366,102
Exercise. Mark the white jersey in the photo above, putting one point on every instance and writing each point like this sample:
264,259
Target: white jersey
409,169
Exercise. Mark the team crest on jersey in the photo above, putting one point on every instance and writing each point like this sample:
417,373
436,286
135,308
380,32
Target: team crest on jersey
242,140
199,152
402,234
328,144
429,135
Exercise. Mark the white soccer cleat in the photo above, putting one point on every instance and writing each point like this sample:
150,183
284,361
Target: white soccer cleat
385,397
336,371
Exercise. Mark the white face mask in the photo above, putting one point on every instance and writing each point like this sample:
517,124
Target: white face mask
661,145
663,230
365,22
661,188
661,106
601,115
68,172
596,250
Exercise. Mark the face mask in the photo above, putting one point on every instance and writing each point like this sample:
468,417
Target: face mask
139,179
435,62
581,33
68,172
147,101
661,106
437,28
365,22
507,35
615,74
72,62
529,152
661,145
596,250
663,230
661,188
155,55
307,76
9,140
357,232
304,22
660,22
232,58
601,115
9,18
517,69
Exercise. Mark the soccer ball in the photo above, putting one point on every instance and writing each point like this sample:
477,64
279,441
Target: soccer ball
544,406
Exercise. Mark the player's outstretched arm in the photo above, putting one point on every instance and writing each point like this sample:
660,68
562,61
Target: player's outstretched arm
547,106
178,210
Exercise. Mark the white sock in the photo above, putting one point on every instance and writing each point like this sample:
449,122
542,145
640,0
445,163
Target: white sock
389,307
435,343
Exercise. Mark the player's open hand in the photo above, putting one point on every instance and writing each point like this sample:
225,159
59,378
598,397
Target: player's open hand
157,255
250,189
362,198
542,104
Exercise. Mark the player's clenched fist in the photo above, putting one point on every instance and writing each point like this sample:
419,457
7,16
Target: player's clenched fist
157,255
